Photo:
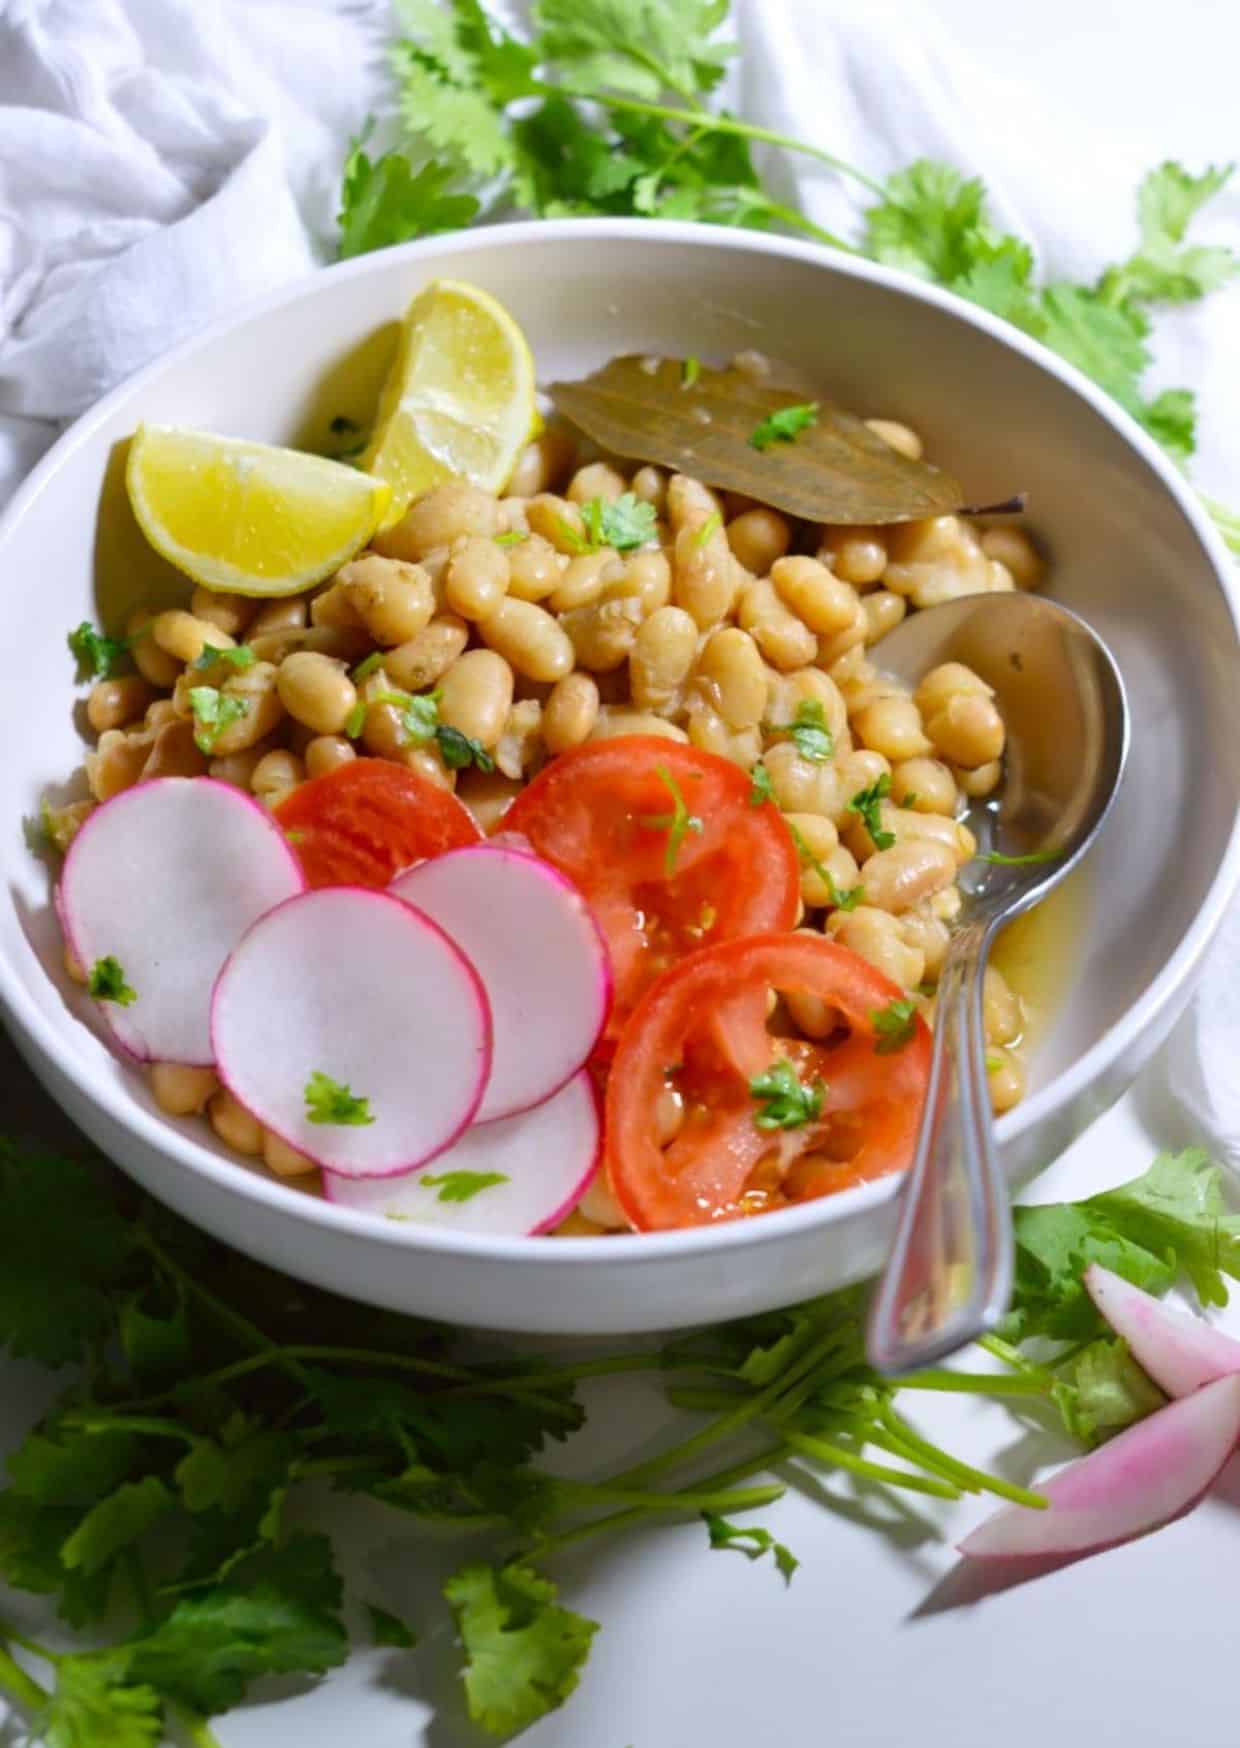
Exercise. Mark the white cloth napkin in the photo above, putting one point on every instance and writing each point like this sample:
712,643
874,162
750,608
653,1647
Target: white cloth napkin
163,160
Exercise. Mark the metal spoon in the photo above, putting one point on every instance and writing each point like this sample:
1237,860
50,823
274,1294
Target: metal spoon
949,1276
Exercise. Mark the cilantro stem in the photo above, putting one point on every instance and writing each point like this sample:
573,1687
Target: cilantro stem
723,124
835,1456
247,1333
147,1426
691,1499
601,1368
196,1729
634,1514
20,1686
1011,1356
974,1383
32,1645
964,1472
795,220
745,1411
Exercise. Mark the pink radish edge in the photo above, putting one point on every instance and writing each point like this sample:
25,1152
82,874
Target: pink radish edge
570,1202
81,841
366,1197
484,1008
1177,1351
1148,1476
519,848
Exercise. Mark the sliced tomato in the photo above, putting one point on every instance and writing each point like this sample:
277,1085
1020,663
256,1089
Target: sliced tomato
602,814
698,1036
360,824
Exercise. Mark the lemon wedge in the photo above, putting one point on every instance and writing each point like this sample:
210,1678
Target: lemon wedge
459,400
248,517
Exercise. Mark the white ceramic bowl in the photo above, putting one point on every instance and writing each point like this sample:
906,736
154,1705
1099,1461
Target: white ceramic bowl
1132,552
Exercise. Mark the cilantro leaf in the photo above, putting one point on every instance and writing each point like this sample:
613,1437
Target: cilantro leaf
461,1186
385,201
277,1613
751,1541
1177,1208
389,1629
64,1466
240,656
784,425
641,48
1101,1390
1161,271
895,1026
107,982
85,1256
458,750
331,1101
628,522
926,221
460,121
809,733
94,1706
98,656
865,804
761,789
783,1102
213,711
676,824
523,1650
118,1520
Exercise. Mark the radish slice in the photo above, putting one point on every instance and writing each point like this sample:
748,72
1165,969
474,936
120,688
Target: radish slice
1178,1352
1154,1472
166,878
538,950
546,1156
351,984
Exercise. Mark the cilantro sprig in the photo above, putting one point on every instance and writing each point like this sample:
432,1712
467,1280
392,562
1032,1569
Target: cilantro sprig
625,522
419,722
866,804
895,1026
842,898
107,982
783,1100
179,1467
808,732
213,712
677,824
332,1101
240,656
98,657
784,425
461,1186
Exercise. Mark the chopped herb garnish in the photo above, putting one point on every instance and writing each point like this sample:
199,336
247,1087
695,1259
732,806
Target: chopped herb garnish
363,670
355,721
675,824
626,523
98,656
784,425
513,537
751,1541
294,836
213,712
910,800
690,370
461,1186
999,860
458,750
331,1101
240,657
709,528
865,804
895,1026
783,1101
994,1061
575,541
107,982
809,733
761,789
843,898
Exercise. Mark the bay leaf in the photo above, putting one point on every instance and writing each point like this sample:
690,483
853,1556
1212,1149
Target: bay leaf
835,471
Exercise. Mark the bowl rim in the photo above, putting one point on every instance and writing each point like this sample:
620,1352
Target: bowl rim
42,1035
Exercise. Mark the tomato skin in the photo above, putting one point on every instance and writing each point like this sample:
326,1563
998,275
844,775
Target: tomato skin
703,1015
364,822
739,875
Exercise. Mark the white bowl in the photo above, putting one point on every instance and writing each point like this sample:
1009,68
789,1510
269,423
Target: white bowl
1132,552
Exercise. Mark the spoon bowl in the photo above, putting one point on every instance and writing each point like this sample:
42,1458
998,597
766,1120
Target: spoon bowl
1061,697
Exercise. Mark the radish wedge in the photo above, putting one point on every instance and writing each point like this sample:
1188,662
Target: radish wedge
165,879
1178,1352
538,950
546,1158
352,985
1155,1471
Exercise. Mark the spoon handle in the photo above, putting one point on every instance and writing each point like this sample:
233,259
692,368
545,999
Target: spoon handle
949,1276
